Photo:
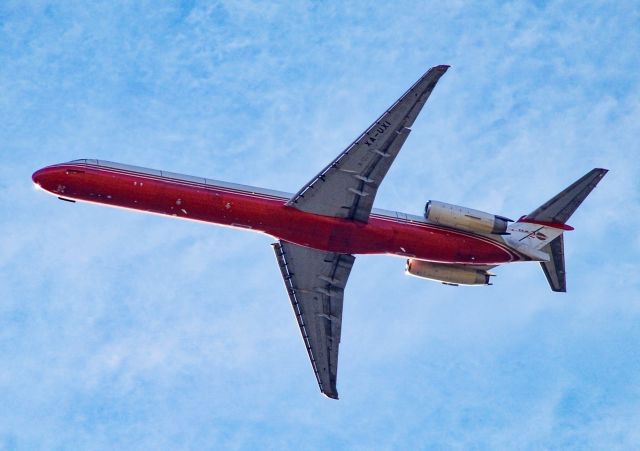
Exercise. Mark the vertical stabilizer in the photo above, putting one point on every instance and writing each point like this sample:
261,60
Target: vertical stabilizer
541,230
554,269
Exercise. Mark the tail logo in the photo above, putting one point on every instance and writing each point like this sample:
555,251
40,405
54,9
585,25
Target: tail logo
541,236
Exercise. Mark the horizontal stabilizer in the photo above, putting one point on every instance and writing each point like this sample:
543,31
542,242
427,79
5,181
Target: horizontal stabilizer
560,208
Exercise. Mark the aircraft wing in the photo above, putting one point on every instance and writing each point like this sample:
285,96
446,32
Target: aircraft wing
347,187
315,282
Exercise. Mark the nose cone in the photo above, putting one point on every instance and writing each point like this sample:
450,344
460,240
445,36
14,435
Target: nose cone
36,176
42,176
47,178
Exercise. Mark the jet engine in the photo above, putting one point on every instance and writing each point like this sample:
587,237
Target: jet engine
448,274
465,218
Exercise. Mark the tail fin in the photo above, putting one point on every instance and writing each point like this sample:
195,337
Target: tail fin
554,268
539,234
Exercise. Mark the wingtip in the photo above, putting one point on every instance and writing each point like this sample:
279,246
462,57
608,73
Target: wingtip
331,394
599,173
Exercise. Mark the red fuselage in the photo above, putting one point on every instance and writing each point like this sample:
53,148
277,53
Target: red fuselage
265,211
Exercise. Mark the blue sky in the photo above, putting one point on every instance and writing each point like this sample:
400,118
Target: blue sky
121,330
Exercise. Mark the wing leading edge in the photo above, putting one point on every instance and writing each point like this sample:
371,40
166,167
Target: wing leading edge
315,282
347,186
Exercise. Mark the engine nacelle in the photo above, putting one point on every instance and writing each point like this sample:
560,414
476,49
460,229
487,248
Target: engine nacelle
449,274
465,218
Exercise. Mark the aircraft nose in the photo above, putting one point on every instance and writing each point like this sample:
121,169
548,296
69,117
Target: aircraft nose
46,178
36,176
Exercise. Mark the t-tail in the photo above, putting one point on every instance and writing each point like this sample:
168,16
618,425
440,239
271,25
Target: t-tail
538,235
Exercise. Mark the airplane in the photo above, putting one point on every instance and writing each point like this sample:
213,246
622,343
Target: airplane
320,228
